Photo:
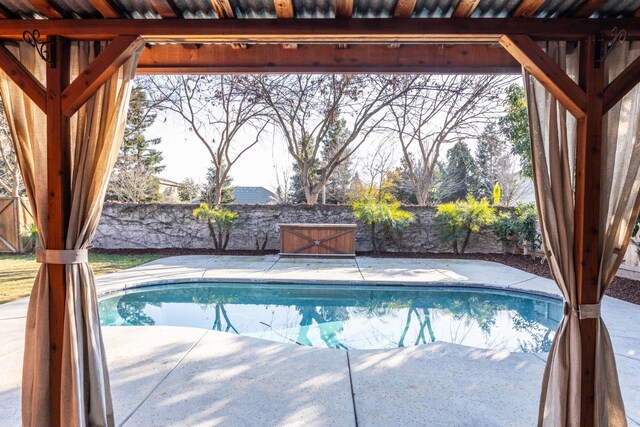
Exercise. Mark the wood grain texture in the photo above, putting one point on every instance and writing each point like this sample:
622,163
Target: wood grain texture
166,8
527,8
368,31
318,240
410,58
587,219
284,9
23,78
547,72
106,8
404,8
59,209
621,85
344,8
47,8
98,72
465,8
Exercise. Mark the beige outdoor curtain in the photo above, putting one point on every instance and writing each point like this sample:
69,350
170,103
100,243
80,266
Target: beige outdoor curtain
96,134
553,140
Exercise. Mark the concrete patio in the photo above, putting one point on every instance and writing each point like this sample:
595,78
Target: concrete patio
186,376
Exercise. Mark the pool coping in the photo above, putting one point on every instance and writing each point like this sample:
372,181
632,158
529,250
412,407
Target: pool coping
373,283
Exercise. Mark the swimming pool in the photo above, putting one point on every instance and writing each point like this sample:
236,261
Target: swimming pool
341,317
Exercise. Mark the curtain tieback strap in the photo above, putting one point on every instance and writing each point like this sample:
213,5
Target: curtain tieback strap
584,311
54,256
589,311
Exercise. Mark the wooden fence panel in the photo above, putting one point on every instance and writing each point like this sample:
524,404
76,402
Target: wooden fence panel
15,218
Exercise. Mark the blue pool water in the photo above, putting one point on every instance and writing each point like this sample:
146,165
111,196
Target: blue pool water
359,317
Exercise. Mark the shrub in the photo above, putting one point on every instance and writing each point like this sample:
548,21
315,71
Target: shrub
505,227
384,217
220,221
527,220
29,237
458,220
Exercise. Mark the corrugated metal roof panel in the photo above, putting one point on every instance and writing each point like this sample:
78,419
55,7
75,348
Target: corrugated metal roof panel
265,9
618,8
253,9
77,8
21,7
373,8
434,8
138,9
555,8
196,9
495,8
314,9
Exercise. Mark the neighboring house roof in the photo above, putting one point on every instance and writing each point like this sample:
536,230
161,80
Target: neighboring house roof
252,196
168,183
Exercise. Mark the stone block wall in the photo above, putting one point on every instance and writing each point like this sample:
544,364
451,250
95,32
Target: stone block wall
159,226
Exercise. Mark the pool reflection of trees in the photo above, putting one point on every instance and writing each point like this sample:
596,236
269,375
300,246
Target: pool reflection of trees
329,308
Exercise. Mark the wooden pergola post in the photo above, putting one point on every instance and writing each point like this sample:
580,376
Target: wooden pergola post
587,214
59,207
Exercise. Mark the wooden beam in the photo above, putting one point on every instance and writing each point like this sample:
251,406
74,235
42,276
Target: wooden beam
98,72
369,31
465,8
58,211
404,8
344,8
587,219
222,8
47,9
621,85
166,8
23,78
587,8
547,72
106,8
527,8
325,58
284,8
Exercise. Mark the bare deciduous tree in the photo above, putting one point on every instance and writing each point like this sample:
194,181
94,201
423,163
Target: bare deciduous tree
509,175
10,179
438,110
305,107
219,111
378,170
283,185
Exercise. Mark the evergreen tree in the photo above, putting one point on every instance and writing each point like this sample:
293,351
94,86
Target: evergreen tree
491,149
209,188
402,189
134,177
515,127
297,190
460,177
188,190
339,182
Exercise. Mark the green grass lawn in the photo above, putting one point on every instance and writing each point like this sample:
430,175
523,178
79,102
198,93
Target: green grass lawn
17,272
